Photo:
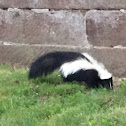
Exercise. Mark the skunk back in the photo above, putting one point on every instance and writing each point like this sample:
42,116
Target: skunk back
52,61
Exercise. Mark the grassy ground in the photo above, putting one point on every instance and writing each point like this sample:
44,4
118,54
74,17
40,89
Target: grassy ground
50,102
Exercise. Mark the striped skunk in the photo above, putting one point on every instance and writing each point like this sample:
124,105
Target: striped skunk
73,66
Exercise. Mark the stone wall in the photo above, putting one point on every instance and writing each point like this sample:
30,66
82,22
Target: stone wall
29,28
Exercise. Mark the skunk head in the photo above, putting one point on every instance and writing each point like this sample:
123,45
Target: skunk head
89,71
105,77
106,83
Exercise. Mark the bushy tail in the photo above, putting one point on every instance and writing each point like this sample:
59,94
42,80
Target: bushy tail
44,65
50,62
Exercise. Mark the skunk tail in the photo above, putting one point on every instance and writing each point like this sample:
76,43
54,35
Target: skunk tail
44,65
50,62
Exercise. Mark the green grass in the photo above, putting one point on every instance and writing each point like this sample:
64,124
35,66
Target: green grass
47,101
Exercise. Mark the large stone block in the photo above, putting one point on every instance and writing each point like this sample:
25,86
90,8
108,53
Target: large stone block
113,58
24,55
64,4
106,28
43,27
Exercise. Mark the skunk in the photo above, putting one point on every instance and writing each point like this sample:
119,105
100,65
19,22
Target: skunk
73,66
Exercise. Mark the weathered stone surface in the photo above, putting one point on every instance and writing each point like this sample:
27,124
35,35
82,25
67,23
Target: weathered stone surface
64,4
25,54
14,3
46,27
113,58
12,26
106,28
117,82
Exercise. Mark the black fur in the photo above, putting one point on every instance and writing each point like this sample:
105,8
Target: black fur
90,77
